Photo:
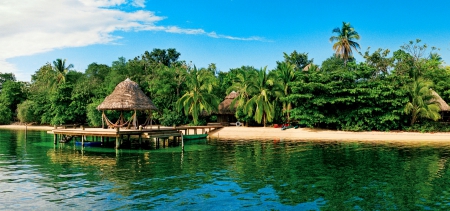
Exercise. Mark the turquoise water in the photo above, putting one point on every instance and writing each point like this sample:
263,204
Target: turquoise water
222,175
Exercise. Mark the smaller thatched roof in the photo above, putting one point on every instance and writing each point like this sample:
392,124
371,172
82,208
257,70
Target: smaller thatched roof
442,104
225,106
127,96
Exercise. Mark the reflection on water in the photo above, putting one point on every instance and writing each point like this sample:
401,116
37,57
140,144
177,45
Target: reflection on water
223,175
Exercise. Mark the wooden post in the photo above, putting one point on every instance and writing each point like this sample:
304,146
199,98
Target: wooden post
195,131
182,143
134,120
54,138
117,142
103,122
140,140
203,130
117,138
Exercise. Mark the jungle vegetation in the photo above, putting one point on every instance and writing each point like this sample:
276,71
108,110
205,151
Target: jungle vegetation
387,91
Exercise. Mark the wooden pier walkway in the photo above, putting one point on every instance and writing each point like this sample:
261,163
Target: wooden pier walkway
155,133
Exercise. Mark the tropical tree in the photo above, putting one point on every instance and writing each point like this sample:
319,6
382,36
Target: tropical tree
242,84
284,74
299,60
61,70
260,105
422,102
345,41
198,98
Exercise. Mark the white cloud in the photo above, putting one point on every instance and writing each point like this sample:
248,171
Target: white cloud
34,26
138,3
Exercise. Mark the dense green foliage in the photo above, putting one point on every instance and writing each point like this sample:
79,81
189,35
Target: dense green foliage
384,92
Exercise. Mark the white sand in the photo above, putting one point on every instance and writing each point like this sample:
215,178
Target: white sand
260,133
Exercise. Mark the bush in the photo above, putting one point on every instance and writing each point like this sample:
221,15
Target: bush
26,112
428,126
171,118
5,115
94,116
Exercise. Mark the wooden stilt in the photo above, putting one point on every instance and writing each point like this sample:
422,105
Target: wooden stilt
140,140
117,143
182,143
54,138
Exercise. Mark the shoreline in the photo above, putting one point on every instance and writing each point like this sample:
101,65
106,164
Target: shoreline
307,134
300,134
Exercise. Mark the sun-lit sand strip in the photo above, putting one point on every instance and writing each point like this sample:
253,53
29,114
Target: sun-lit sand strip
260,133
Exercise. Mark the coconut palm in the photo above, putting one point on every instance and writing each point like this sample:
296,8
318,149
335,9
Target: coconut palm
198,98
422,103
61,70
284,74
243,84
259,105
345,41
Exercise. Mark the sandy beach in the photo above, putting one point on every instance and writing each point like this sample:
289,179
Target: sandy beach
301,134
23,127
306,134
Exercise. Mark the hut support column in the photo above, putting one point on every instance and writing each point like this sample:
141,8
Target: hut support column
135,120
117,142
103,121
54,138
118,137
182,143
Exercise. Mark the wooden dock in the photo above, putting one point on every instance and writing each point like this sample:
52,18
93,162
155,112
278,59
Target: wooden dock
156,133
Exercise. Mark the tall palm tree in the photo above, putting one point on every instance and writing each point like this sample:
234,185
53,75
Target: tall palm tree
243,85
284,74
345,41
198,98
422,103
259,105
61,70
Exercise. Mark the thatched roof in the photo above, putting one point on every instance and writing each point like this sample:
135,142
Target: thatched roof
442,104
127,96
224,106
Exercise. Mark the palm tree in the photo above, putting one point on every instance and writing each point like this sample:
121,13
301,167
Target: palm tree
284,74
345,41
259,105
243,84
423,103
59,66
198,98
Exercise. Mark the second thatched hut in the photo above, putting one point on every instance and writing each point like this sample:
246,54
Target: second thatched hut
226,112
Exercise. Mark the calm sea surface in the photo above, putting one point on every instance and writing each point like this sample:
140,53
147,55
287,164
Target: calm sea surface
223,175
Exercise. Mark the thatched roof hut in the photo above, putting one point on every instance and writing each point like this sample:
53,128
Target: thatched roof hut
225,106
442,104
127,96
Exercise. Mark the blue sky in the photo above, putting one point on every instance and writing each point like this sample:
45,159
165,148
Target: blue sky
229,33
